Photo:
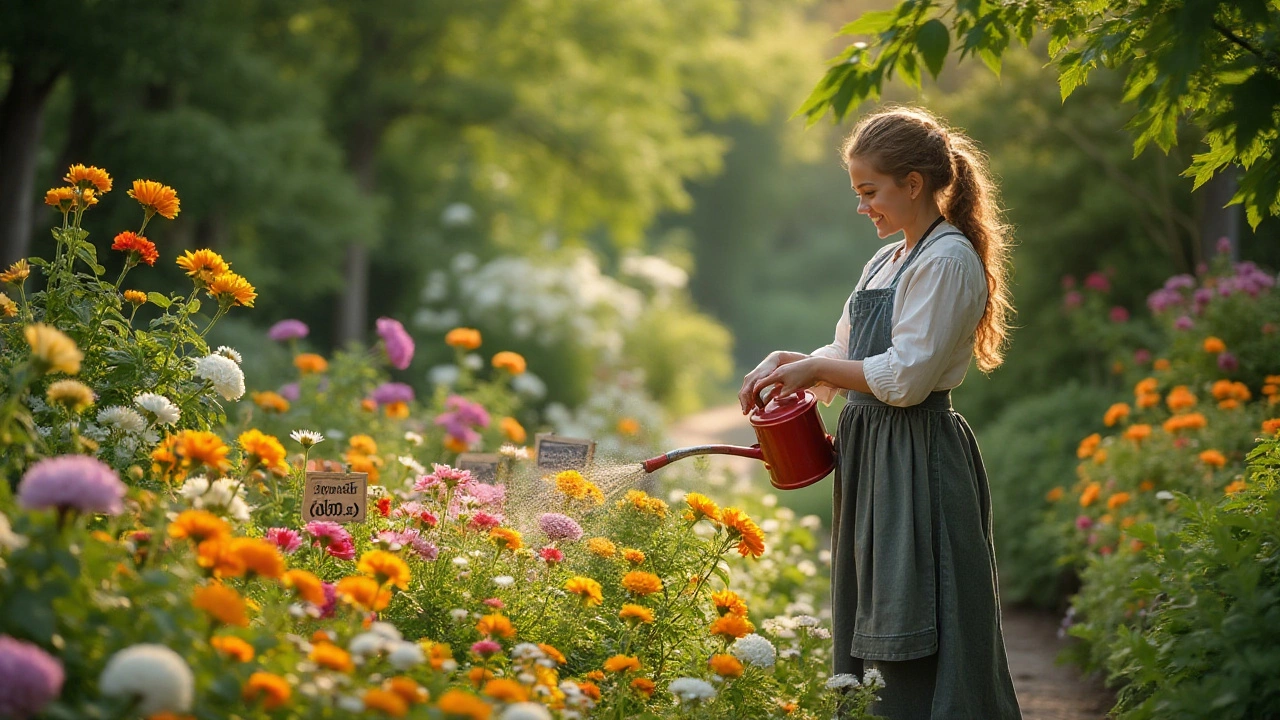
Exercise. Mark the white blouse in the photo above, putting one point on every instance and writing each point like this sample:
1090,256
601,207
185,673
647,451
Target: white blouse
936,309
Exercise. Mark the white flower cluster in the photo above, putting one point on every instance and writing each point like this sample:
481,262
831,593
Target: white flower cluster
687,689
597,417
154,677
525,711
126,420
223,372
755,650
843,681
659,272
224,495
160,407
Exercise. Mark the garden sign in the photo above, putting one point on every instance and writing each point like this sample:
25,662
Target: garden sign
335,496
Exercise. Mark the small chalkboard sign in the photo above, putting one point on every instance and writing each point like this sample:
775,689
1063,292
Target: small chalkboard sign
562,453
335,496
483,466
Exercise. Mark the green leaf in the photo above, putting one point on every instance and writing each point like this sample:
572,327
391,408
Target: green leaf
934,40
870,23
159,300
1254,108
910,69
193,307
990,58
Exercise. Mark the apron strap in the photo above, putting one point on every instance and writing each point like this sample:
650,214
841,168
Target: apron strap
884,258
920,246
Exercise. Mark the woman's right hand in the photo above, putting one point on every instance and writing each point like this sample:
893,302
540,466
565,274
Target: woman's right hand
771,362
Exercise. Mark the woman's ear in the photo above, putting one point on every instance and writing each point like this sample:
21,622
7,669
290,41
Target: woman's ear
915,183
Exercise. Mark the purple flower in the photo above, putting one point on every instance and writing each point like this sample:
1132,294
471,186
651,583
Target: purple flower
288,330
392,392
1227,362
1180,282
74,482
1119,315
287,540
290,392
560,527
1163,299
32,678
1072,300
397,342
1097,281
467,411
486,648
1184,323
1224,245
330,599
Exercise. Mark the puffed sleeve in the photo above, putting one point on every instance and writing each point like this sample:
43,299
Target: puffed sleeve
943,301
838,349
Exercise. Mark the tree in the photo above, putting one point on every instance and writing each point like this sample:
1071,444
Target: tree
1214,62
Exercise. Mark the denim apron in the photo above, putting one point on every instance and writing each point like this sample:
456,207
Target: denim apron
913,566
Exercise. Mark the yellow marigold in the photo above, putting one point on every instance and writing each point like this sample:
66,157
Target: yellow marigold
407,688
52,350
1138,432
1189,421
60,197
231,289
270,401
156,198
628,426
644,686
726,666
462,705
571,483
1115,414
728,602
201,447
88,177
233,647
310,363
386,702
272,690
1214,345
331,656
1179,399
513,363
551,652
639,613
464,338
18,272
397,410
258,556
71,394
364,592
644,503
622,663
385,567
8,307
505,690
1090,494
1271,427
1088,446
262,449
732,627
602,547
750,536
221,603
203,265
585,588
513,430
1148,400
633,556
198,525
306,585
639,582
136,297
1234,487
1117,499
496,624
1055,494
506,538
1213,457
701,506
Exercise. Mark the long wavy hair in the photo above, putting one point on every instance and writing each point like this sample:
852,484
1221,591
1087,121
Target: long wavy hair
898,140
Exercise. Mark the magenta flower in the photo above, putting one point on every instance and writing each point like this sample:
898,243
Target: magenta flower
417,511
72,482
486,648
398,344
1084,522
484,521
443,475
560,527
1184,323
330,600
1228,362
1072,300
288,330
32,678
1097,281
551,555
290,392
408,538
284,538
333,538
392,392
1224,245
1141,356
1068,282
342,549
1119,315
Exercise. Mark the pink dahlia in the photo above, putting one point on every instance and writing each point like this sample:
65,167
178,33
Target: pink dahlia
72,482
484,521
333,538
560,527
288,330
397,342
284,538
32,678
486,648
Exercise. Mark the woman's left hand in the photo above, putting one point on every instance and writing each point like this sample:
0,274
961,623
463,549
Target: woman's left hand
790,378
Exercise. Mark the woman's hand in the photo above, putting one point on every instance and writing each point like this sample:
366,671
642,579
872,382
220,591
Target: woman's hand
747,396
791,377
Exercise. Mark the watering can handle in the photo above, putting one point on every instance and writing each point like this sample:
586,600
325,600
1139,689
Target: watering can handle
763,398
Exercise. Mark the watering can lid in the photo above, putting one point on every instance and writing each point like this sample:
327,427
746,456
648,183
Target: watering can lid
780,410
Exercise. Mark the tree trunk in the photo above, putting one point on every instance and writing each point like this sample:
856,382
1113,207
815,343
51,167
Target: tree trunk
21,125
1217,220
353,303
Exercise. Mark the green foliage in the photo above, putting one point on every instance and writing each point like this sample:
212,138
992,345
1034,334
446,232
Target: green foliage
1216,62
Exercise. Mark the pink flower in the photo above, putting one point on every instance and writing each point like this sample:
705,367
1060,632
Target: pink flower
32,678
417,511
342,549
1228,362
288,330
443,475
287,540
484,521
1119,315
551,555
1068,282
1084,522
486,494
333,538
1097,281
396,341
1224,245
330,600
290,391
1141,356
495,603
1072,300
560,527
72,482
486,648
408,538
1184,323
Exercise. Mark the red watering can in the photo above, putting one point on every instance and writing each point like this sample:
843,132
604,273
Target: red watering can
794,445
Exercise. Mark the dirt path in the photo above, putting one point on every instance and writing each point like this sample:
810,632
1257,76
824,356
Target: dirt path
1046,691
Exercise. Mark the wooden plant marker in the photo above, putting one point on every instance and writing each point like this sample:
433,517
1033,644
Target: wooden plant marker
556,453
339,497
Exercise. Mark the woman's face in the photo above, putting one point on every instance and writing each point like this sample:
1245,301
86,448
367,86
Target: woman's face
889,205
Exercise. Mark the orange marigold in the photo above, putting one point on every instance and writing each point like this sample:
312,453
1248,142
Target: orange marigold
464,338
602,547
1160,365
633,556
201,447
513,430
216,556
1088,446
1179,399
732,627
385,567
740,525
1234,487
386,702
88,177
639,582
17,273
506,538
270,401
555,655
1189,421
726,666
588,590
260,448
1138,432
1055,494
271,689
364,592
1115,414
728,602
505,690
331,656
1214,345
407,688
591,690
1271,427
396,410
203,265
231,289
62,198
1090,494
310,363
130,242
628,426
1117,499
622,663
363,444
1146,386
462,704
638,613
513,363
1214,458
233,647
306,585
136,297
198,525
156,198
1148,400
221,603
701,506
644,686
496,624
258,556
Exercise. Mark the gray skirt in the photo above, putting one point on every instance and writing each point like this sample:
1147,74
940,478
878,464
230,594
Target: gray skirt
914,589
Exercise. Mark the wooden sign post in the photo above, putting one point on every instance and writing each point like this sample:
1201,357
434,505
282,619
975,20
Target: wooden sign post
483,466
561,453
335,496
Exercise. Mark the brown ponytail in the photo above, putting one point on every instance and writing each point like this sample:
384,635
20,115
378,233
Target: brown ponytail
900,140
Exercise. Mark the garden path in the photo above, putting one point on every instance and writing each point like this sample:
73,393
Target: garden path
1046,690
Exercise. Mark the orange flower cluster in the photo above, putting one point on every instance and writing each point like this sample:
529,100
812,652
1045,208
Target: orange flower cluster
1116,413
1180,398
732,627
1117,499
602,547
505,690
638,613
233,647
306,585
136,297
203,265
1230,394
222,603
1234,487
364,592
726,666
198,526
461,703
139,248
1189,421
1271,427
1088,446
622,664
271,689
310,363
1055,494
328,655
1138,432
633,556
1090,494
1145,395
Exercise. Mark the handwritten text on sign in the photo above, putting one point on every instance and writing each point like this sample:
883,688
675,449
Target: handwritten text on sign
335,496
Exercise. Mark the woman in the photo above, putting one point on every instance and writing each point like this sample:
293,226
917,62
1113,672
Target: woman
913,568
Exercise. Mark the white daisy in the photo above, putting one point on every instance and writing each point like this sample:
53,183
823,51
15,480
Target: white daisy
307,438
154,677
123,419
229,353
165,412
224,373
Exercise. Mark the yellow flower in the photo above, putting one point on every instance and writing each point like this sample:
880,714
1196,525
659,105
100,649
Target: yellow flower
732,627
585,588
750,536
464,338
639,582
62,198
506,538
17,272
86,198
1116,413
230,289
156,198
233,647
216,556
273,690
1117,499
505,690
701,506
572,484
601,547
258,556
639,613
1234,487
728,602
496,624
633,556
622,663
89,177
331,656
1213,458
513,430
513,363
1090,494
1055,494
385,567
726,666
221,603
270,401
306,585
386,702
462,705
262,448
71,394
310,363
8,307
136,297
53,351
364,592
198,525
439,653
1214,345
203,265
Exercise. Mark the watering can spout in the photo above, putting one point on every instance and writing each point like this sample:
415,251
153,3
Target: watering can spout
667,458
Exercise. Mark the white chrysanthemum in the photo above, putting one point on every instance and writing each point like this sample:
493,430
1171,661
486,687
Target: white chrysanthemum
525,711
504,581
843,681
688,689
459,615
405,655
527,651
229,353
461,561
412,464
873,679
366,644
123,419
223,495
157,678
224,373
413,438
755,650
165,412
306,438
